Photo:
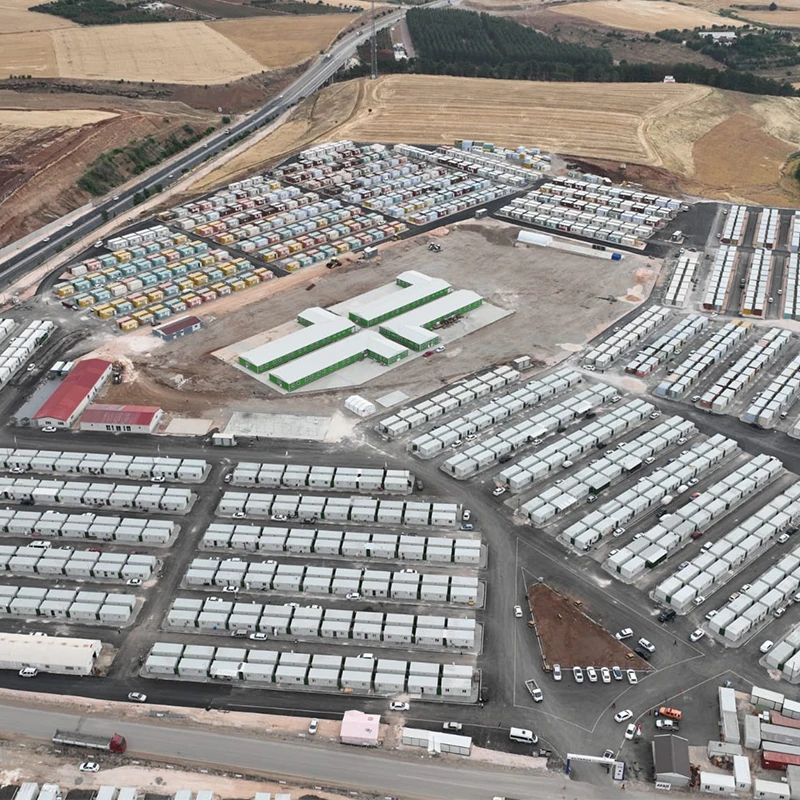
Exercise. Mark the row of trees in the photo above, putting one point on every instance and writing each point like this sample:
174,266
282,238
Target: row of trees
455,42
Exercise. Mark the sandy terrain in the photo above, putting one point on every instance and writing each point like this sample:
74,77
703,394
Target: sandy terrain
570,638
643,15
283,41
178,52
15,18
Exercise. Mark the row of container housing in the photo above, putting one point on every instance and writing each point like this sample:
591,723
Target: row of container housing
268,576
785,654
766,233
58,525
445,403
527,157
19,349
78,493
116,465
674,530
111,608
626,337
650,490
594,478
514,167
298,670
650,358
791,292
740,617
527,431
745,370
708,355
716,565
680,282
719,280
734,225
47,562
759,276
338,509
769,405
552,457
501,407
126,241
248,473
349,544
326,623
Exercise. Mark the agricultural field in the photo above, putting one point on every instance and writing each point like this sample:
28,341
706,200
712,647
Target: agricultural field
642,15
180,52
686,133
15,17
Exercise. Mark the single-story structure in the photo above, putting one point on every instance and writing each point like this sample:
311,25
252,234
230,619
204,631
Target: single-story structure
671,759
74,393
57,654
360,729
121,418
178,327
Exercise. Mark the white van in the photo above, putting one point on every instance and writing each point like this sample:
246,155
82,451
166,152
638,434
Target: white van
522,735
28,672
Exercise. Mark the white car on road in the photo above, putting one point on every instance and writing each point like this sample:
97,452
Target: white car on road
398,705
630,731
622,716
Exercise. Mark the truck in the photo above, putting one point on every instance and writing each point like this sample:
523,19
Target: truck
535,691
113,744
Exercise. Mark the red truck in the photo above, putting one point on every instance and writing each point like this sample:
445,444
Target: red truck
113,744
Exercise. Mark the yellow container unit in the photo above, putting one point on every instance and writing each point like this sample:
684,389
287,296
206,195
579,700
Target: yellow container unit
128,324
294,247
123,256
238,286
341,247
106,311
138,300
226,238
263,273
155,295
292,266
269,255
252,280
198,278
179,239
185,284
65,290
228,269
85,302
207,260
142,315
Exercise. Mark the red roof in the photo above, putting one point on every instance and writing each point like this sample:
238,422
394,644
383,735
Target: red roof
105,414
178,325
61,405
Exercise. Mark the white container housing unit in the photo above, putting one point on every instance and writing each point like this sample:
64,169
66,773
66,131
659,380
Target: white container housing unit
680,282
719,279
669,344
770,405
759,277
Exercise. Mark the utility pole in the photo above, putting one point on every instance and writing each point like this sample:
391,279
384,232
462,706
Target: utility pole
373,49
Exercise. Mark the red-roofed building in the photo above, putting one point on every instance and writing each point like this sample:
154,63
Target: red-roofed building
76,391
177,328
121,419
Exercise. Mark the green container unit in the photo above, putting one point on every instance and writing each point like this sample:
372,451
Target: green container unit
114,275
148,279
170,289
158,261
107,260
162,273
214,274
151,247
96,281
178,270
137,252
124,308
200,248
82,285
162,313
127,270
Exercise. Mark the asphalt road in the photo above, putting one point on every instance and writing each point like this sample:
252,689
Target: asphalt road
315,77
413,776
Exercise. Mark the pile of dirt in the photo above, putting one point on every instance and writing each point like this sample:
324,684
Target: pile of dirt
570,638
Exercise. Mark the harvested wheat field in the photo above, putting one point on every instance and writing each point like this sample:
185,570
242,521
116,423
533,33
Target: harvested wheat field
785,16
176,52
642,15
283,41
16,18
68,118
716,144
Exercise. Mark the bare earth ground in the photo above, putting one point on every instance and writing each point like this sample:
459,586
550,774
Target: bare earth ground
543,287
643,15
39,166
178,52
570,638
723,145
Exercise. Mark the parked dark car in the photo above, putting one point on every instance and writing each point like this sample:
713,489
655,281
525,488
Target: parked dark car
667,615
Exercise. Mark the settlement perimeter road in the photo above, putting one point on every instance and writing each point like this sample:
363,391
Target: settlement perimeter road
352,768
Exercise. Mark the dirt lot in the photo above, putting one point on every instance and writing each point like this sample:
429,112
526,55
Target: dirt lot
41,162
572,639
543,287
643,15
179,52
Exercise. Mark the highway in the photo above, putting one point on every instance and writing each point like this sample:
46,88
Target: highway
315,77
414,775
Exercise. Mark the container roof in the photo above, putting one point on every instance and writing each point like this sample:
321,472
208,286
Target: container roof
109,414
73,390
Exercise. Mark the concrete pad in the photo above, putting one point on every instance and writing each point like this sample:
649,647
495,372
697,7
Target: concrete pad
189,427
